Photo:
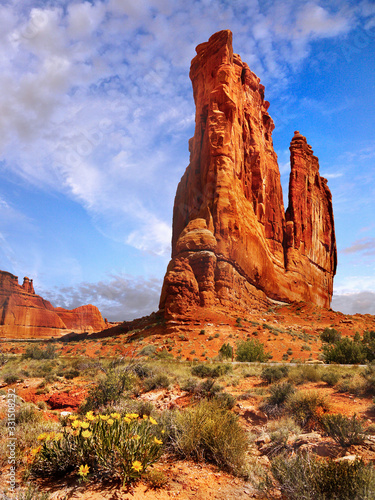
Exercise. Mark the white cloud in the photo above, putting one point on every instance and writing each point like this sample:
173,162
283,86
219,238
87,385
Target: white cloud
352,303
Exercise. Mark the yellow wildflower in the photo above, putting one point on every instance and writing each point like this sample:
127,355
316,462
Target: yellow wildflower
136,437
85,425
110,421
42,436
104,417
127,420
116,416
58,436
145,417
72,417
157,441
90,416
83,470
153,421
132,415
35,451
86,434
76,424
137,466
74,433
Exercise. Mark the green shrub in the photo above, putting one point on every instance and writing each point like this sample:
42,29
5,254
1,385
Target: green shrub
207,371
304,477
344,351
279,394
304,373
330,377
108,391
344,430
27,413
307,407
272,374
226,351
35,352
10,378
251,350
105,445
225,400
330,335
208,432
158,381
156,479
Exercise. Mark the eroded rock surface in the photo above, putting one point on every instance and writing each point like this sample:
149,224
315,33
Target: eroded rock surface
232,240
23,314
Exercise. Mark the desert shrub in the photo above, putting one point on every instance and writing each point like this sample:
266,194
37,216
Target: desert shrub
71,373
279,432
226,351
344,351
157,381
208,432
142,371
369,376
225,400
27,413
306,407
10,378
344,430
107,445
207,371
304,373
108,390
330,336
156,479
330,377
274,404
35,352
304,477
148,350
189,384
207,389
353,384
272,374
251,350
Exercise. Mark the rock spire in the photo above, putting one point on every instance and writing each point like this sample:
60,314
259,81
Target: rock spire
232,239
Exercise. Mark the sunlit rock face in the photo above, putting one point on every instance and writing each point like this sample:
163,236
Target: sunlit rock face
232,239
23,314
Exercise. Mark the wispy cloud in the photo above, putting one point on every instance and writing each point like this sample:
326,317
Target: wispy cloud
352,303
120,298
365,245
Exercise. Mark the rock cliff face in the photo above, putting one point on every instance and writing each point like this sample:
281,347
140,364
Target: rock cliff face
23,314
232,240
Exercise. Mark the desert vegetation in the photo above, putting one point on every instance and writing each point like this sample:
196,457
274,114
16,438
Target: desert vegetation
263,423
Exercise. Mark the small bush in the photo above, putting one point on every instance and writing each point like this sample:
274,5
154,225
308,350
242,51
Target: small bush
272,374
10,378
207,371
330,377
27,413
344,351
225,400
251,350
156,479
304,477
307,407
330,336
344,430
274,405
37,353
226,351
108,391
105,445
158,381
304,373
208,432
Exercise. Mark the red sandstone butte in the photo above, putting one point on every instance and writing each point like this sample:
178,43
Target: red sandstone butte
232,239
23,314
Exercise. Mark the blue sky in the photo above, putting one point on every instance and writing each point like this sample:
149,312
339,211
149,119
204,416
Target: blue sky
96,110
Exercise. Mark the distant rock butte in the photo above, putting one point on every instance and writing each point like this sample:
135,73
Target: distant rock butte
23,314
232,240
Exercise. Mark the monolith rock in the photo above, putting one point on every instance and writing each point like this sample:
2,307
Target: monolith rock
23,314
233,242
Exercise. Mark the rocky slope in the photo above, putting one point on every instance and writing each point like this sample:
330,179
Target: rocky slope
233,243
23,314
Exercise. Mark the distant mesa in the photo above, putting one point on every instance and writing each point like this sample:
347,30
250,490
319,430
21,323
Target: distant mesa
232,241
23,314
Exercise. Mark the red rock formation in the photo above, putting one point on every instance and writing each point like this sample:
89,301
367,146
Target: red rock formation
23,314
231,239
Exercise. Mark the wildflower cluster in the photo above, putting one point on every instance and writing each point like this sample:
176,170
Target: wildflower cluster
106,444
